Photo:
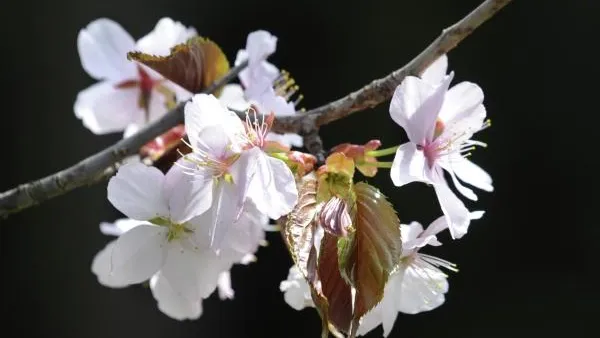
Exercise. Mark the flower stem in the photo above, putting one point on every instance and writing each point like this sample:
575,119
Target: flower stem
387,165
281,156
382,152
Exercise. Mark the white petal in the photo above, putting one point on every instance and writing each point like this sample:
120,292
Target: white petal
103,46
296,290
410,232
385,312
267,181
139,253
215,141
101,268
224,286
471,173
409,165
192,274
172,304
244,236
437,226
232,96
476,214
457,215
408,97
434,74
468,193
119,227
370,321
188,195
103,108
166,34
389,311
137,191
259,45
413,237
463,101
287,139
269,102
423,288
204,111
157,107
224,212
415,107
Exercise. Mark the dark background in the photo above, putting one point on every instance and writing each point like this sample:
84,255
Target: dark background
526,269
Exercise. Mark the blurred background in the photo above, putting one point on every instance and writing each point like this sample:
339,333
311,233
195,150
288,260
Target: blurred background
526,268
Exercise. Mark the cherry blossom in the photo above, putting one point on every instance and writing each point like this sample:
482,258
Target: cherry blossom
128,95
228,166
439,123
263,85
418,284
175,256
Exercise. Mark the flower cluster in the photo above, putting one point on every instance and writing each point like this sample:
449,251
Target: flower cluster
439,122
190,222
186,228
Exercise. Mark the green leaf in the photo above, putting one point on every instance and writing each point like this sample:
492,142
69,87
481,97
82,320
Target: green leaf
193,65
368,257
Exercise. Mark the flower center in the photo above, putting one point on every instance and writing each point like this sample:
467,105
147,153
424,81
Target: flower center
257,127
219,166
176,231
445,142
145,83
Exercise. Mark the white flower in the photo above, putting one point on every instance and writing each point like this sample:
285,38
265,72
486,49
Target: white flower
228,167
296,290
417,284
175,255
264,85
101,264
127,96
439,123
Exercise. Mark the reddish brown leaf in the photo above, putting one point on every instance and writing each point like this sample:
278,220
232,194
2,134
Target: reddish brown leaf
299,227
368,256
334,287
193,65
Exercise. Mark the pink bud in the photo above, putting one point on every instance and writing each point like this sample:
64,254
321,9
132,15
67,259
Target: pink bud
334,217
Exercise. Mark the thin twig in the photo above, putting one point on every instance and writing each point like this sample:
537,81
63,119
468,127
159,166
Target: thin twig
92,169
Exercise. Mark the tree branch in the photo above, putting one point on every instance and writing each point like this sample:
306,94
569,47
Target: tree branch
96,167
382,89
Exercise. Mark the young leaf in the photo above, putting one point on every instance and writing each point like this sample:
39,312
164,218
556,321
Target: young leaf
368,256
298,230
193,65
333,286
367,165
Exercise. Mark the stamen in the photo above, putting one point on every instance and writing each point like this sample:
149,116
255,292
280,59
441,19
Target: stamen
286,87
201,158
300,97
257,129
438,262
